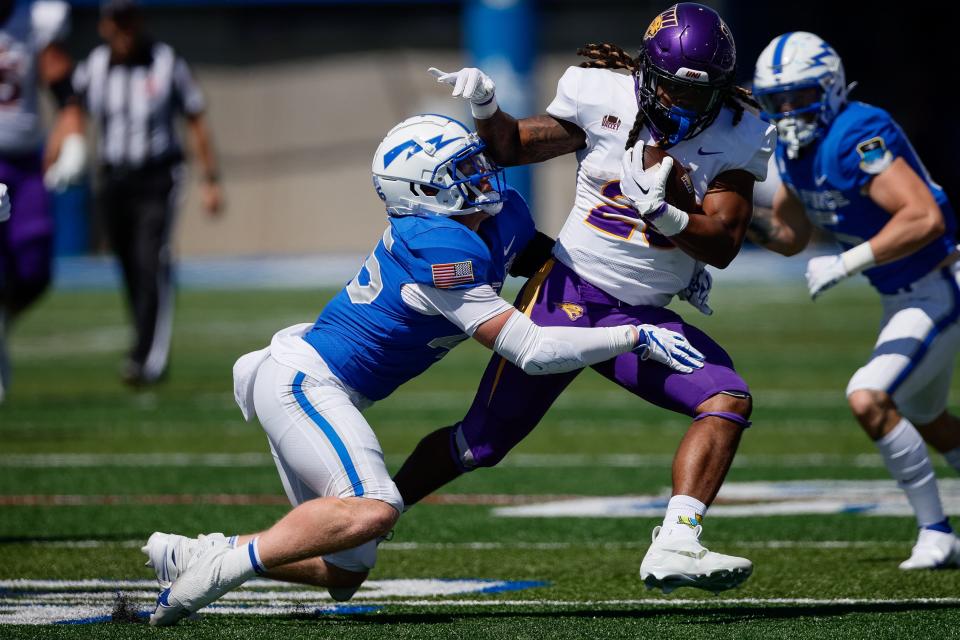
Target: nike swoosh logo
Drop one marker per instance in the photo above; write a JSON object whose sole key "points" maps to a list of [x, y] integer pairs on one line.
{"points": [[645, 191], [689, 554], [506, 250], [820, 180], [701, 152]]}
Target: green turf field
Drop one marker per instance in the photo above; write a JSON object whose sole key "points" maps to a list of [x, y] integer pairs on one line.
{"points": [[88, 469]]}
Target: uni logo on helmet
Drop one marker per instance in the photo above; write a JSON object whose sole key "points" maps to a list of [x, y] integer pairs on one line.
{"points": [[415, 147], [693, 74]]}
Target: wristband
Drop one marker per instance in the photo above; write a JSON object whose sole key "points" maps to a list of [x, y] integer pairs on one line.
{"points": [[668, 219], [484, 110], [858, 259]]}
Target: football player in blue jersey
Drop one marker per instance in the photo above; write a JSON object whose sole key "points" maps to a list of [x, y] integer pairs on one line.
{"points": [[847, 168], [455, 230]]}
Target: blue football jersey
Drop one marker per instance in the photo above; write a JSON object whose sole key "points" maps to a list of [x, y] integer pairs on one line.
{"points": [[370, 338], [829, 178]]}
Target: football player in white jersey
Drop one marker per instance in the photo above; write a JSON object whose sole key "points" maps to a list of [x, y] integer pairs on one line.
{"points": [[849, 169], [31, 54], [625, 253]]}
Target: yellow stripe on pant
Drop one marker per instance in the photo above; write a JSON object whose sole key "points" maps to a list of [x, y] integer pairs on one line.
{"points": [[528, 297]]}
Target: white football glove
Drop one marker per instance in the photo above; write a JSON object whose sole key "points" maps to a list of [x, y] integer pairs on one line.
{"points": [[824, 272], [70, 164], [474, 85], [647, 191], [698, 291], [668, 348], [4, 203]]}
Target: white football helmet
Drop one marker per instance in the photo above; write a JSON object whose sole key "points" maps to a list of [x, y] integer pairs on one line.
{"points": [[434, 165], [788, 68]]}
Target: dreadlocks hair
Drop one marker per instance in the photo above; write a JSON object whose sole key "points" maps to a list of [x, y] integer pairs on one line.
{"points": [[734, 99], [610, 56]]}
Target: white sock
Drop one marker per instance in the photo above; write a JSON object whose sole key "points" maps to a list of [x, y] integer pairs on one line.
{"points": [[908, 461], [953, 458], [683, 514], [240, 564]]}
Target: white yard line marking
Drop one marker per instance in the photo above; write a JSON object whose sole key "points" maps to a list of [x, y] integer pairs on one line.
{"points": [[749, 499], [84, 601]]}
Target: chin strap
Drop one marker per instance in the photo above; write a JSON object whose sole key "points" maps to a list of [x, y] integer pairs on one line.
{"points": [[683, 126]]}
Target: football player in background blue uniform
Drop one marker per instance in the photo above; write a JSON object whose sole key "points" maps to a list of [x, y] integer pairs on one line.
{"points": [[849, 169], [433, 280]]}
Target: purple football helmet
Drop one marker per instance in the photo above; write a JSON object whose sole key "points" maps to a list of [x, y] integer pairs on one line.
{"points": [[689, 53]]}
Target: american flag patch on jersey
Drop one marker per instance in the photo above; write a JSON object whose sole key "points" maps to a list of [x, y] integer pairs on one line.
{"points": [[451, 274]]}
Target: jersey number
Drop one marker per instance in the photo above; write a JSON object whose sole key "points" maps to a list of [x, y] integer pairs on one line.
{"points": [[597, 218], [446, 343], [366, 293]]}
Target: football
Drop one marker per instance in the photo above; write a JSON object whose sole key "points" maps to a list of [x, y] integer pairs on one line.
{"points": [[680, 192]]}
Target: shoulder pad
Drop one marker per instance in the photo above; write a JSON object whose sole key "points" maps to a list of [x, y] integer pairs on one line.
{"points": [[439, 252], [862, 142]]}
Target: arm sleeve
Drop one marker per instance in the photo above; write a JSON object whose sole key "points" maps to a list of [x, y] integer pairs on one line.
{"points": [[535, 349], [546, 350], [566, 103], [465, 308], [188, 92]]}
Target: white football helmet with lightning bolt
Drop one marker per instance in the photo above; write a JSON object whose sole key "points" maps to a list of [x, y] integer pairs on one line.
{"points": [[800, 83], [434, 165]]}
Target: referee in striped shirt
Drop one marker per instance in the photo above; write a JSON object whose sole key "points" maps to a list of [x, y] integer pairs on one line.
{"points": [[133, 87]]}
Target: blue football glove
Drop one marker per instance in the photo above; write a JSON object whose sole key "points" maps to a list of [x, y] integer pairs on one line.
{"points": [[668, 348]]}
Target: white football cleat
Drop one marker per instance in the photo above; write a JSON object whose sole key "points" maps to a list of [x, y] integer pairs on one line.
{"points": [[202, 583], [674, 561], [170, 554], [933, 550]]}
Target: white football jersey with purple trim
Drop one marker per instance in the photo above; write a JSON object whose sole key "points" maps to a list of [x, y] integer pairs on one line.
{"points": [[631, 261], [29, 30]]}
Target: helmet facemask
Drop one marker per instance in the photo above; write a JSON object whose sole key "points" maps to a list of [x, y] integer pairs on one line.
{"points": [[799, 112], [697, 103], [479, 182]]}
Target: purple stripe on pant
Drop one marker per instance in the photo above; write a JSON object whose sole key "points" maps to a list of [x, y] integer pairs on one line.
{"points": [[509, 403]]}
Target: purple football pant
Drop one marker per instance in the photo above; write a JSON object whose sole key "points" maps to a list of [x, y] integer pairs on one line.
{"points": [[26, 239], [510, 403]]}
